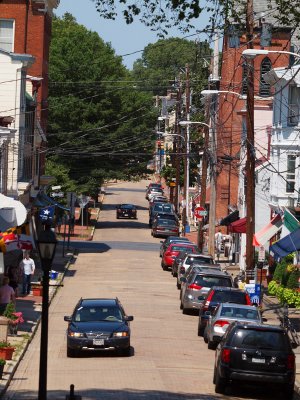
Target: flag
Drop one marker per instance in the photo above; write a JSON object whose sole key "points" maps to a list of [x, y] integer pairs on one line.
{"points": [[290, 221], [47, 213]]}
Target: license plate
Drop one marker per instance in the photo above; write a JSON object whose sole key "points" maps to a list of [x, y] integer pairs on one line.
{"points": [[125, 215], [98, 342], [258, 360]]}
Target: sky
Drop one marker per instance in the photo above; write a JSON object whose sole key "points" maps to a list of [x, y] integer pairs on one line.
{"points": [[123, 38]]}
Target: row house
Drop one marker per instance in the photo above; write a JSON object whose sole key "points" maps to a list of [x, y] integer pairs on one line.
{"points": [[25, 33]]}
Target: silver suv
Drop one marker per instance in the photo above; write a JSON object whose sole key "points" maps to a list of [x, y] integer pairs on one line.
{"points": [[197, 282], [179, 268]]}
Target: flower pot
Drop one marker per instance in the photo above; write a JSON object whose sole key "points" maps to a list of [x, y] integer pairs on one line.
{"points": [[6, 352], [37, 291]]}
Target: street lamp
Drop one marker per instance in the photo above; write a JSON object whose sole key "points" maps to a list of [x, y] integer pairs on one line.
{"points": [[252, 53], [46, 244], [203, 180], [209, 92]]}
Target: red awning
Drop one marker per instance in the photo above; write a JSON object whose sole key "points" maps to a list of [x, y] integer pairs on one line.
{"points": [[238, 226]]}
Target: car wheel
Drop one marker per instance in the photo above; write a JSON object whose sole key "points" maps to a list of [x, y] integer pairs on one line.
{"points": [[205, 336], [214, 378], [288, 391], [118, 217], [72, 352], [220, 384], [165, 267], [210, 345], [181, 306], [200, 329], [125, 352]]}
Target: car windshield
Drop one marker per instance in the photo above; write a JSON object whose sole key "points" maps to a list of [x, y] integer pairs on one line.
{"points": [[164, 222], [237, 312], [94, 314], [198, 260], [163, 207], [210, 281], [259, 339], [127, 206], [229, 296]]}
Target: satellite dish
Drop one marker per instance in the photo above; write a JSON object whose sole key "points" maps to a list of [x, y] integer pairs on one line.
{"points": [[12, 213]]}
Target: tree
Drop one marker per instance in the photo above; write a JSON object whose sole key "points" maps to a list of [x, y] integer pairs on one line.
{"points": [[99, 123], [161, 16]]}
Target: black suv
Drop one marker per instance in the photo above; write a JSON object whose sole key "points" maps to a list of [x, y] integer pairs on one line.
{"points": [[255, 353], [215, 296], [98, 324]]}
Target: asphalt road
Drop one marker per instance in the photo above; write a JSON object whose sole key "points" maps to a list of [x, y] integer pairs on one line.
{"points": [[169, 361]]}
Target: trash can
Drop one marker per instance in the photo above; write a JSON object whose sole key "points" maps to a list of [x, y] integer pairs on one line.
{"points": [[53, 274]]}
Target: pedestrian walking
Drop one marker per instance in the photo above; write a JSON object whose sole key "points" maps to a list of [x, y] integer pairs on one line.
{"points": [[218, 242], [28, 267], [14, 272], [7, 294]]}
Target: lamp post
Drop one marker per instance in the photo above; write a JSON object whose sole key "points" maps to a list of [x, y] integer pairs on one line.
{"points": [[252, 53], [203, 177], [46, 244]]}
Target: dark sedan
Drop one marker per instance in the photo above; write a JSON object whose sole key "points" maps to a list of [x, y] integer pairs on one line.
{"points": [[98, 324], [126, 211]]}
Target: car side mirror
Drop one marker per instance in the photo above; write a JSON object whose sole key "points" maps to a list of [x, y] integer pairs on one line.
{"points": [[128, 318], [67, 318]]}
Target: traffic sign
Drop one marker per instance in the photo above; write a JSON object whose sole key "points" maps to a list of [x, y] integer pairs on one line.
{"points": [[59, 194], [200, 212]]}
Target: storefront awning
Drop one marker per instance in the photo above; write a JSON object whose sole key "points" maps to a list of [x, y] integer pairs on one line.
{"points": [[232, 217], [238, 226], [261, 237], [287, 245]]}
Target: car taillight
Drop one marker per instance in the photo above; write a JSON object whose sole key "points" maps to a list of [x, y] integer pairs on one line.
{"points": [[290, 361], [174, 230], [193, 286], [225, 355], [207, 302], [248, 300], [221, 323], [167, 253]]}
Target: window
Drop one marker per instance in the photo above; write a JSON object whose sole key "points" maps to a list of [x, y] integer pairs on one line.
{"points": [[264, 87], [6, 34], [291, 174], [294, 103]]}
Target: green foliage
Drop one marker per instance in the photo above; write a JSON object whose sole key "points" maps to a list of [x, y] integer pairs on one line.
{"points": [[2, 361], [279, 271], [99, 123], [293, 280], [9, 311], [4, 344], [284, 295]]}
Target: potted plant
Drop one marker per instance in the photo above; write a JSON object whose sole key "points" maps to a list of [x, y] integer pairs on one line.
{"points": [[14, 318], [6, 350], [37, 289], [2, 363]]}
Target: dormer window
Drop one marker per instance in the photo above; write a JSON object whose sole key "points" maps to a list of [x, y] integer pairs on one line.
{"points": [[264, 87], [7, 35]]}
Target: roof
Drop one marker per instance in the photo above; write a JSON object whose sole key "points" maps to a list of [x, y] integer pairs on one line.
{"points": [[208, 271], [98, 302]]}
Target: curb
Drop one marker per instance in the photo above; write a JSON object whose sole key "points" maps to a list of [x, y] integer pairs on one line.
{"points": [[12, 368]]}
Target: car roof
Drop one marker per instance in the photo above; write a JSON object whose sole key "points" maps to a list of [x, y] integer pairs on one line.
{"points": [[236, 305], [200, 255], [258, 325], [209, 271], [98, 302], [228, 289]]}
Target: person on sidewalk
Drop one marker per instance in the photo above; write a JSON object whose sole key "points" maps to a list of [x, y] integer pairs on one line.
{"points": [[14, 272], [7, 294], [28, 267]]}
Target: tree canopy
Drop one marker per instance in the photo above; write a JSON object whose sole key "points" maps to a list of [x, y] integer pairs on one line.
{"points": [[184, 14], [99, 123]]}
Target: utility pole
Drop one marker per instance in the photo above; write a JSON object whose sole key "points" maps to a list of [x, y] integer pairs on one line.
{"points": [[187, 157], [177, 131], [250, 163], [213, 172]]}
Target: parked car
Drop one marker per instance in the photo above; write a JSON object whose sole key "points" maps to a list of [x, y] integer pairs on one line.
{"points": [[126, 211], [154, 185], [154, 191], [97, 324], [223, 315], [184, 272], [171, 239], [215, 296], [164, 228], [180, 266], [164, 215], [158, 199], [173, 250], [160, 208], [197, 283], [258, 354]]}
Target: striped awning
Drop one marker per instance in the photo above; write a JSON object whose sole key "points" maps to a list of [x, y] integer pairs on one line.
{"points": [[265, 234]]}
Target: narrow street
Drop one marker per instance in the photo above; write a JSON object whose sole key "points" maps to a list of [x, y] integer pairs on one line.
{"points": [[169, 360]]}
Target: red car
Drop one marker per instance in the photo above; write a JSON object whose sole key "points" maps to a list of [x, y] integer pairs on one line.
{"points": [[173, 250]]}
